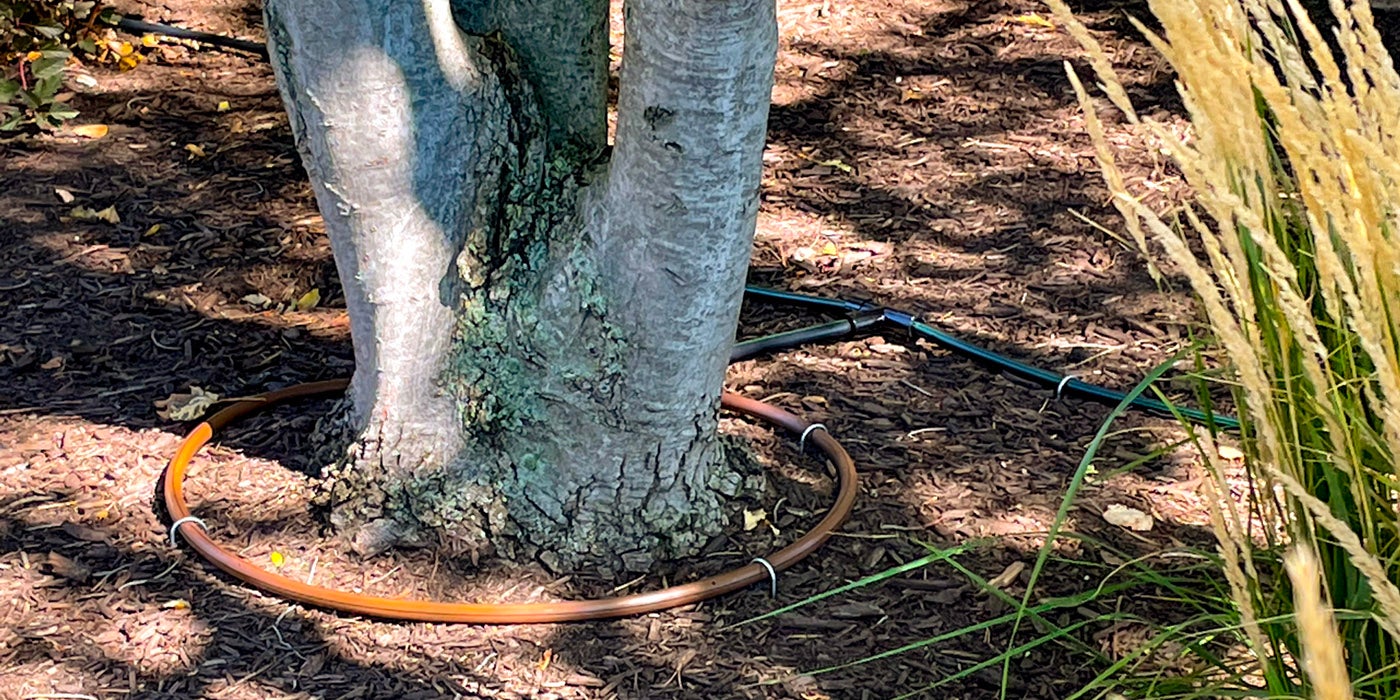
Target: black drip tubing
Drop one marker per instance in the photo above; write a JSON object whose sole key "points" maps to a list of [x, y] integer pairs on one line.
{"points": [[1063, 384], [136, 26], [860, 315]]}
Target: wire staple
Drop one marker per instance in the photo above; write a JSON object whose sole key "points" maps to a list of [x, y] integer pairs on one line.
{"points": [[802, 441], [772, 576], [175, 527], [1060, 388]]}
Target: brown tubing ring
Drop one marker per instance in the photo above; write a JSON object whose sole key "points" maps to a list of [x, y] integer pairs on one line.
{"points": [[172, 485]]}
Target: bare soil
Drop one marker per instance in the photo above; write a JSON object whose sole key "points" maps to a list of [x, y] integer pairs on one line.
{"points": [[925, 154]]}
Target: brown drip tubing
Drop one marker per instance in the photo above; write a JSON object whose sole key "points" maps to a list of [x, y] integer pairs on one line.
{"points": [[172, 486]]}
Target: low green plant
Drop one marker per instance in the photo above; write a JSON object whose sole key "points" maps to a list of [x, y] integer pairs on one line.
{"points": [[1180, 658], [38, 42], [1290, 245]]}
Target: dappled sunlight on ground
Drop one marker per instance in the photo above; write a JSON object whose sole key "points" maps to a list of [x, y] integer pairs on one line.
{"points": [[925, 155]]}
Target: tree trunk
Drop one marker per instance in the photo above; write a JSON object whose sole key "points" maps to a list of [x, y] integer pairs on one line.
{"points": [[540, 327]]}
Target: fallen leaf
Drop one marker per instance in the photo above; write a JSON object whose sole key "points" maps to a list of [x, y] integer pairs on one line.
{"points": [[91, 131], [1008, 575], [183, 407], [153, 230], [108, 215], [84, 533], [752, 518], [828, 248], [177, 604], [60, 565], [195, 149], [1131, 518], [1230, 452], [149, 41], [54, 363], [223, 106], [1035, 21], [309, 300], [63, 195], [258, 300], [805, 687], [277, 559], [855, 611]]}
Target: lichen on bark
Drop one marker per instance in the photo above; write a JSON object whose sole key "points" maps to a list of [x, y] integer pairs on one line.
{"points": [[560, 399]]}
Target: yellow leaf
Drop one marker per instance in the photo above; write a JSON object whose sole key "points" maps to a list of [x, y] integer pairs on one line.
{"points": [[1035, 21], [109, 215], [125, 49], [277, 559], [195, 149], [91, 131], [752, 518], [129, 62], [177, 604], [153, 230], [223, 106], [33, 56], [149, 41], [309, 300], [829, 248], [836, 163]]}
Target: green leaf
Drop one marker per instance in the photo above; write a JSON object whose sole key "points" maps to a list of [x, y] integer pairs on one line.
{"points": [[48, 67], [49, 29], [62, 112], [8, 90], [46, 88]]}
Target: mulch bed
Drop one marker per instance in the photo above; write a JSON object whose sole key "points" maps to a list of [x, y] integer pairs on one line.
{"points": [[925, 155]]}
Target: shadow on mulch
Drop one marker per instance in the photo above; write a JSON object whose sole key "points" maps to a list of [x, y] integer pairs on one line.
{"points": [[220, 634], [98, 321]]}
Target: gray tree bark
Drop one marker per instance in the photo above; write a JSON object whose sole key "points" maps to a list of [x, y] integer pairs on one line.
{"points": [[540, 326]]}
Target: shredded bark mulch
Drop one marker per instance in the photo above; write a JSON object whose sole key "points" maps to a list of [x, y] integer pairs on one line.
{"points": [[924, 155]]}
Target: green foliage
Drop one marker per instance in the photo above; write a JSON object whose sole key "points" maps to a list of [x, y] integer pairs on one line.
{"points": [[1289, 245], [39, 40]]}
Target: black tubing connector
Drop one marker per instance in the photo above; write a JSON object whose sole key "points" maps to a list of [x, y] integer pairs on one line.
{"points": [[1062, 384]]}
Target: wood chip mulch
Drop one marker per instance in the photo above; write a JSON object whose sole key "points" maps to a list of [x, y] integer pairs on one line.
{"points": [[924, 154]]}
